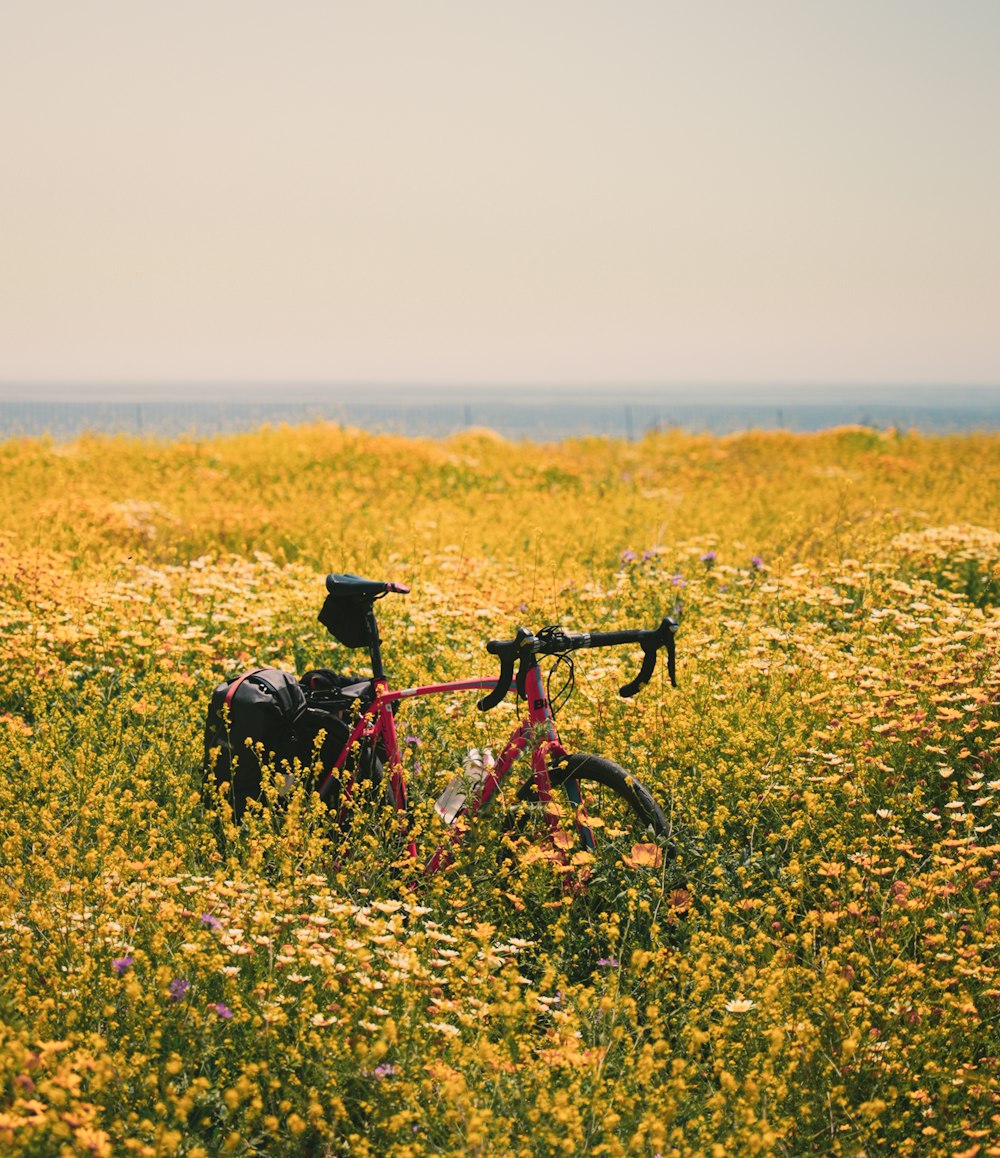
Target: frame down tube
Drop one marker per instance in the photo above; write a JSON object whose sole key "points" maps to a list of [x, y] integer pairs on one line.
{"points": [[515, 745]]}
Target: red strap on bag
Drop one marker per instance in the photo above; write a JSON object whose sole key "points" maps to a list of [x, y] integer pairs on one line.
{"points": [[236, 683]]}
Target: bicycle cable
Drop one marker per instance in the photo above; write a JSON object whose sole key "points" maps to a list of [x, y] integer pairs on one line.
{"points": [[557, 702]]}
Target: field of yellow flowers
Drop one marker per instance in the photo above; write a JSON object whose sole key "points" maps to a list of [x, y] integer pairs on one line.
{"points": [[815, 973]]}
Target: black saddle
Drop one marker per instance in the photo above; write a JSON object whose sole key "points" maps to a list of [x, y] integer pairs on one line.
{"points": [[347, 612], [349, 586]]}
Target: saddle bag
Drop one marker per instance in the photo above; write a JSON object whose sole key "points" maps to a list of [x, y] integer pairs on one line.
{"points": [[268, 719], [346, 619]]}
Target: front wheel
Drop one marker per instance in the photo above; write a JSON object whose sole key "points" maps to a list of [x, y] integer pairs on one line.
{"points": [[599, 807]]}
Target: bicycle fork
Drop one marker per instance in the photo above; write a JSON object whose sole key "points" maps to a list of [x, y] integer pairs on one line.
{"points": [[538, 733]]}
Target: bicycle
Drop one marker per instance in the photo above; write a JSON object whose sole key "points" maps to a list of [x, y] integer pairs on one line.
{"points": [[601, 795]]}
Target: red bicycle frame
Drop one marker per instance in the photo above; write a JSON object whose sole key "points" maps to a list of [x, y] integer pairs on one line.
{"points": [[376, 728], [349, 615]]}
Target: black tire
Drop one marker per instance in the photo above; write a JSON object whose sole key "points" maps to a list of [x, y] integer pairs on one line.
{"points": [[623, 810]]}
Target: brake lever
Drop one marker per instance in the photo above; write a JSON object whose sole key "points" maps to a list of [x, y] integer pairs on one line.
{"points": [[507, 651], [506, 654], [663, 636], [669, 627]]}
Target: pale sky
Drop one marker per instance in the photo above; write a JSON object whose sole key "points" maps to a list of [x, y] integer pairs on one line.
{"points": [[455, 191]]}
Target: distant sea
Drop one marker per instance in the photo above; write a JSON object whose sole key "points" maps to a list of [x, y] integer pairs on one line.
{"points": [[515, 415]]}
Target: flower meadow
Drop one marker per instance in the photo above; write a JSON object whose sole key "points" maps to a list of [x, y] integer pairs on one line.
{"points": [[814, 972]]}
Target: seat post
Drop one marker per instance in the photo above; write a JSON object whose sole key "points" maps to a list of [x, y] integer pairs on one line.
{"points": [[374, 644]]}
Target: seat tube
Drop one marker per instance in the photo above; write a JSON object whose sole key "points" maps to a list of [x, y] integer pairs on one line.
{"points": [[390, 742], [386, 731]]}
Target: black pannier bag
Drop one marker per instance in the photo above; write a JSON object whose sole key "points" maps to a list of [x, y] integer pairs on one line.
{"points": [[266, 716]]}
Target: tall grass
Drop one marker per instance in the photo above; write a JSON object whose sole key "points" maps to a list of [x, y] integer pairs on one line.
{"points": [[815, 973]]}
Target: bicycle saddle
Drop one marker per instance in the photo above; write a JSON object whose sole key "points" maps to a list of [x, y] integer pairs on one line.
{"points": [[349, 586]]}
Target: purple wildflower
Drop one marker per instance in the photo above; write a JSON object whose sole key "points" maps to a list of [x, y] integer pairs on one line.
{"points": [[383, 1070], [413, 741], [609, 962], [629, 556], [222, 1010], [708, 558], [678, 580], [757, 563], [210, 922], [122, 965], [178, 987]]}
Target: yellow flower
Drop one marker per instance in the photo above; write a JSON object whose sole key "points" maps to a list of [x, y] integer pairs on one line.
{"points": [[644, 856]]}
